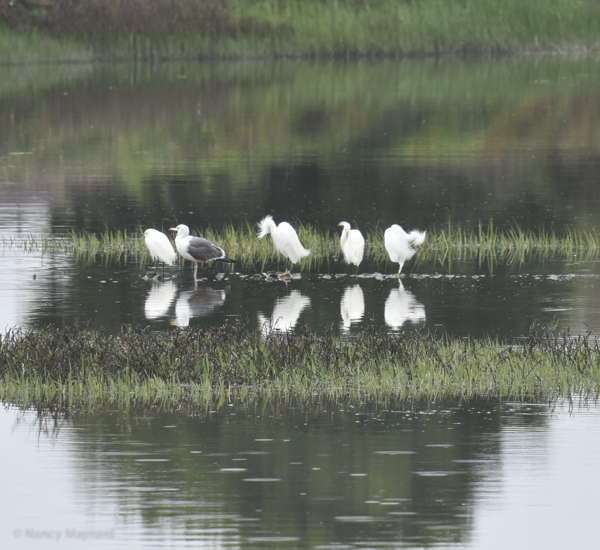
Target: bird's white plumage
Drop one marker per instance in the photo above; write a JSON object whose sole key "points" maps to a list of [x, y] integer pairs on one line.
{"points": [[353, 244], [159, 246], [284, 237], [197, 249], [398, 243]]}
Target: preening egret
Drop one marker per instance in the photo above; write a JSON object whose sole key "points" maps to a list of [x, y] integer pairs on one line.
{"points": [[398, 244], [198, 249], [353, 244], [160, 247], [285, 239]]}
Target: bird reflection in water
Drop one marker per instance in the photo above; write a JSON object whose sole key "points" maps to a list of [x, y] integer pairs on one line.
{"points": [[352, 306], [200, 302], [401, 306], [286, 313], [159, 299]]}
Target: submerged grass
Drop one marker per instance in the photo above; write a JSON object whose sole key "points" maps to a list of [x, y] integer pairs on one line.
{"points": [[442, 245], [71, 367]]}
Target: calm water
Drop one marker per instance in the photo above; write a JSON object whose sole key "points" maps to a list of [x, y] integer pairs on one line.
{"points": [[467, 301], [416, 143], [327, 475]]}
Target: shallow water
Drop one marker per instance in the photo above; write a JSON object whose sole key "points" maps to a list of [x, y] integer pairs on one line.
{"points": [[95, 148], [471, 300], [321, 474]]}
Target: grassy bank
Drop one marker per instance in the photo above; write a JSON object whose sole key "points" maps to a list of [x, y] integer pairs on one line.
{"points": [[154, 29], [445, 244], [88, 368]]}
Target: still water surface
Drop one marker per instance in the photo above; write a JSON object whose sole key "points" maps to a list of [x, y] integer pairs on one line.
{"points": [[468, 301], [95, 148], [320, 474]]}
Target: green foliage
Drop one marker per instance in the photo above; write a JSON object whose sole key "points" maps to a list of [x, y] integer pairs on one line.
{"points": [[138, 365], [452, 242], [35, 46], [138, 29]]}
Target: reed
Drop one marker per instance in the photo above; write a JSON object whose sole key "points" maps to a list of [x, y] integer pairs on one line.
{"points": [[70, 366], [442, 245]]}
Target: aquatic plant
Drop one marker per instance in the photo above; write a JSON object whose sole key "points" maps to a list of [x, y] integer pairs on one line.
{"points": [[442, 245], [76, 366]]}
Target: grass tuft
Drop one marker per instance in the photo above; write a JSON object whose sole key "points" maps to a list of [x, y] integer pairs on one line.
{"points": [[442, 245], [88, 367]]}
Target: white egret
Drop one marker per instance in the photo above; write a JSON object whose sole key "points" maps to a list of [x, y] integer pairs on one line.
{"points": [[160, 247], [285, 239], [353, 244], [197, 249], [398, 244]]}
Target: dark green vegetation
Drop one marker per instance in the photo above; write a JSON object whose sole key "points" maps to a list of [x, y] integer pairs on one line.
{"points": [[434, 140], [91, 368], [158, 29], [442, 245]]}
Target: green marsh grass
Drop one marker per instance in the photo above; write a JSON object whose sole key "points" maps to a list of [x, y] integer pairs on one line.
{"points": [[151, 29], [37, 47], [443, 245], [76, 367]]}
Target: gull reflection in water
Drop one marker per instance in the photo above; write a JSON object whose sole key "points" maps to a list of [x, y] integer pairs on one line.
{"points": [[352, 306], [197, 303], [286, 313], [159, 299], [402, 306]]}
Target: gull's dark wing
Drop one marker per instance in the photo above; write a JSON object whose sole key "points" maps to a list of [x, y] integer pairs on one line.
{"points": [[202, 250]]}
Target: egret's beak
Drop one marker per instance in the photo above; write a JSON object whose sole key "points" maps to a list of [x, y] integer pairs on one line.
{"points": [[172, 229]]}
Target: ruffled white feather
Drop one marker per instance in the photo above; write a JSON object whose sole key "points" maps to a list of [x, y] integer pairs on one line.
{"points": [[284, 237], [398, 244]]}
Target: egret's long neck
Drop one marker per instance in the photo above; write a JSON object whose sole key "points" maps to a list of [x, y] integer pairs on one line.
{"points": [[344, 236]]}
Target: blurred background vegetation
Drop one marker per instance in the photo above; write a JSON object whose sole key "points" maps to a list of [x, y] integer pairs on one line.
{"points": [[178, 29]]}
